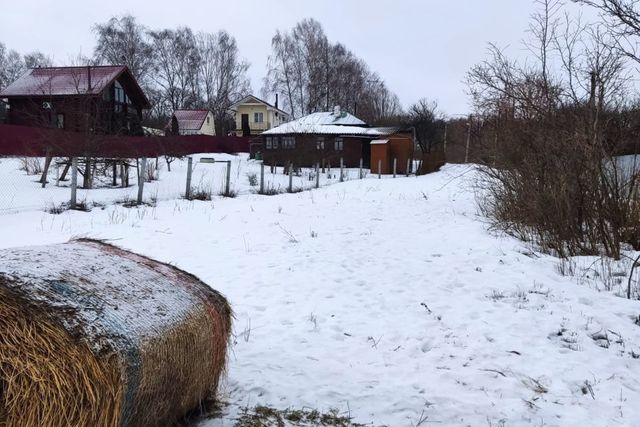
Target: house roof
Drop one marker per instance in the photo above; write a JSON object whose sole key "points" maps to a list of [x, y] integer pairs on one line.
{"points": [[72, 81], [190, 119], [326, 123], [251, 99]]}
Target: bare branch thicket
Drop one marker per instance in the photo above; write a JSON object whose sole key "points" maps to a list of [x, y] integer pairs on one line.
{"points": [[550, 140]]}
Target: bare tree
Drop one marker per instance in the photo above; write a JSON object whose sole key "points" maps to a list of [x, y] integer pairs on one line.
{"points": [[622, 18], [222, 74], [549, 138], [123, 41], [176, 65], [315, 75], [37, 59], [11, 66]]}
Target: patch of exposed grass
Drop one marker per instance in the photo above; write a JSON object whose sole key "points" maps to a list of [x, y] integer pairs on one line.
{"points": [[264, 416]]}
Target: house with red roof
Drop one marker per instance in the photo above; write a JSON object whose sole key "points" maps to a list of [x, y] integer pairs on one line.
{"points": [[191, 122], [103, 100]]}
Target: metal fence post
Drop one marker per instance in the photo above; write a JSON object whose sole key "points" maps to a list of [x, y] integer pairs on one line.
{"points": [[74, 182], [341, 169], [395, 165], [317, 175], [141, 172], [379, 169], [227, 188], [262, 178], [187, 192], [290, 177]]}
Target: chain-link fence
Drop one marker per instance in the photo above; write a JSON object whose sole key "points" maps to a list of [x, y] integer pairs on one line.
{"points": [[100, 182]]}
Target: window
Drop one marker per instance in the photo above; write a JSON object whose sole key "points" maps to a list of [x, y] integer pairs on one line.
{"points": [[288, 142], [120, 97], [338, 144], [258, 117], [320, 143], [208, 120], [60, 121], [269, 143]]}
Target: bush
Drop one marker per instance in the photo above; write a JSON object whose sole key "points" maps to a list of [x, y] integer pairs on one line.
{"points": [[31, 165], [253, 178]]}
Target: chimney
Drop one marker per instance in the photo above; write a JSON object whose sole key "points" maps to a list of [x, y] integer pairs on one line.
{"points": [[336, 110], [89, 78], [276, 100]]}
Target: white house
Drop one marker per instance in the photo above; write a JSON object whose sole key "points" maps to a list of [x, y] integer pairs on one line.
{"points": [[192, 122]]}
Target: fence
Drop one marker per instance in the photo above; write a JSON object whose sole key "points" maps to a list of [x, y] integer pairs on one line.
{"points": [[54, 170]]}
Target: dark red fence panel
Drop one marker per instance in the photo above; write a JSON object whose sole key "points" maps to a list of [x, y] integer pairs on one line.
{"points": [[29, 141]]}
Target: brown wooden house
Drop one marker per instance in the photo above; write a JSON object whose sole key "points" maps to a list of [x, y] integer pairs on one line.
{"points": [[97, 99], [327, 137]]}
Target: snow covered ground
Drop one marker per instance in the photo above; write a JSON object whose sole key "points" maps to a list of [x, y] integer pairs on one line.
{"points": [[388, 300], [20, 192]]}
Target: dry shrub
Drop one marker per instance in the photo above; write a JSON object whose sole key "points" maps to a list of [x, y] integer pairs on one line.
{"points": [[552, 183], [31, 165]]}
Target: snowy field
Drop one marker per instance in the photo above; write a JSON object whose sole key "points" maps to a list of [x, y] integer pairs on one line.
{"points": [[389, 301], [20, 192]]}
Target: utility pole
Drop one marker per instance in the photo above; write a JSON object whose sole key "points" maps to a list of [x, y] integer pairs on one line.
{"points": [[466, 151], [446, 127]]}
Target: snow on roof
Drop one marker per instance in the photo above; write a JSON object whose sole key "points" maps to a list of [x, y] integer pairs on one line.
{"points": [[335, 123], [190, 119], [60, 81], [379, 141]]}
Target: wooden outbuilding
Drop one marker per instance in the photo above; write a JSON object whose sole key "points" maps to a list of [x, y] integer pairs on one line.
{"points": [[329, 138]]}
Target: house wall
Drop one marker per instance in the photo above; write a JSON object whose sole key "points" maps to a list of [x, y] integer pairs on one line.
{"points": [[271, 118], [250, 109], [208, 127], [306, 153], [81, 113]]}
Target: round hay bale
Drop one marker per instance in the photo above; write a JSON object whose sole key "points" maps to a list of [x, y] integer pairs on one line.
{"points": [[92, 335]]}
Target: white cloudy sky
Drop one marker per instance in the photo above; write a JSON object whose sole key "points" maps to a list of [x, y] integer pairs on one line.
{"points": [[422, 48]]}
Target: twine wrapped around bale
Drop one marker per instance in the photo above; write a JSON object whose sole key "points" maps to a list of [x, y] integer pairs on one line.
{"points": [[92, 335]]}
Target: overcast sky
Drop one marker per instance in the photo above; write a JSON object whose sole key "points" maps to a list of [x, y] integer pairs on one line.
{"points": [[421, 48]]}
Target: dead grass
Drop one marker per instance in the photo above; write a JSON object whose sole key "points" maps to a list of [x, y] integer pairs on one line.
{"points": [[264, 416], [46, 375]]}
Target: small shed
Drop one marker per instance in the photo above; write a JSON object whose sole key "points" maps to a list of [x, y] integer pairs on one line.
{"points": [[396, 147]]}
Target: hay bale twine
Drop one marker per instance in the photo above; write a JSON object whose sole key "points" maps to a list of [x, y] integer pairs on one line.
{"points": [[92, 335]]}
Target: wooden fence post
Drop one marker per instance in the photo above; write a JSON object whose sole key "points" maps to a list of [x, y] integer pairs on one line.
{"points": [[360, 171], [317, 175], [395, 165], [47, 164], [379, 169], [262, 178], [408, 171], [227, 187], [187, 192], [341, 169], [143, 167], [74, 182], [290, 177]]}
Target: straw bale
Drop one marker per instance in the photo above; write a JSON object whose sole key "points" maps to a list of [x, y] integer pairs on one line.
{"points": [[93, 335]]}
